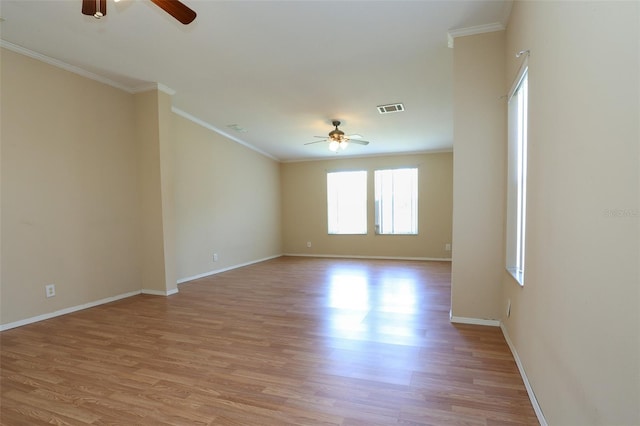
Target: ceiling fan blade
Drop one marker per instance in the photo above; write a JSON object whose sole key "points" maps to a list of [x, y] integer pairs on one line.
{"points": [[176, 9], [89, 7], [309, 143], [359, 141]]}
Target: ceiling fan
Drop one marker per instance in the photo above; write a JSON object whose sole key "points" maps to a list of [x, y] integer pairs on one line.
{"points": [[338, 140], [175, 8]]}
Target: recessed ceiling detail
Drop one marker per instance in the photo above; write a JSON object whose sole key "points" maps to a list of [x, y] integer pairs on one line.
{"points": [[386, 109]]}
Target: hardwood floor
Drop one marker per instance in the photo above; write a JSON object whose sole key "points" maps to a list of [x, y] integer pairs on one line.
{"points": [[291, 341]]}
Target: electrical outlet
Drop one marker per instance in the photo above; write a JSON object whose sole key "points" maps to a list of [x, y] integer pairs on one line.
{"points": [[50, 290], [215, 257], [308, 243], [447, 247]]}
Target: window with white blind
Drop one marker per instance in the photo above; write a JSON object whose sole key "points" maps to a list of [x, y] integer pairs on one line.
{"points": [[517, 175], [347, 202], [396, 201]]}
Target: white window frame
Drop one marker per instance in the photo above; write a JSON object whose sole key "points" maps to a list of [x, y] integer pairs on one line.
{"points": [[385, 204], [347, 202], [517, 174]]}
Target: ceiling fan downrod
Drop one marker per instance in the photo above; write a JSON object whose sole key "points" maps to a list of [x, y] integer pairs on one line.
{"points": [[95, 8], [99, 13]]}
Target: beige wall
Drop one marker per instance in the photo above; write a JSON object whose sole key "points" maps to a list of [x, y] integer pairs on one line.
{"points": [[479, 176], [70, 211], [155, 168], [106, 194], [147, 119], [304, 209], [575, 324], [227, 201], [167, 185]]}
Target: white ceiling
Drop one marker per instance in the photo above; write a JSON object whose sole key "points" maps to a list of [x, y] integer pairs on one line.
{"points": [[282, 70]]}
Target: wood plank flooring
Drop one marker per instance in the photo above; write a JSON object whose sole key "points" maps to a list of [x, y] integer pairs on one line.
{"points": [[291, 341]]}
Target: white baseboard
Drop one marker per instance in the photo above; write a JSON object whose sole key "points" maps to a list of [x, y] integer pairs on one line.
{"points": [[474, 321], [65, 311], [523, 374], [218, 271], [433, 259], [496, 323], [88, 305], [159, 292]]}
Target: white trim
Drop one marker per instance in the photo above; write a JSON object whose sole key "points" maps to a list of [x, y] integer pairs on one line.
{"points": [[159, 292], [522, 71], [65, 311], [474, 321], [153, 86], [479, 29], [63, 65], [166, 89], [527, 385], [352, 157], [145, 87], [84, 306], [345, 256], [211, 127], [218, 271]]}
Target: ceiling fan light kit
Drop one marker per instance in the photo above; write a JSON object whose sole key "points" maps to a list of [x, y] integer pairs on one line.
{"points": [[338, 140], [336, 145]]}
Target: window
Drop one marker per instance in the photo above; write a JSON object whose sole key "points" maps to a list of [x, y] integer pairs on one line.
{"points": [[517, 176], [396, 194], [347, 202]]}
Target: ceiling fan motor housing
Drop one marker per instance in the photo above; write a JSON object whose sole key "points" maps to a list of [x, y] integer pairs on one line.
{"points": [[337, 134]]}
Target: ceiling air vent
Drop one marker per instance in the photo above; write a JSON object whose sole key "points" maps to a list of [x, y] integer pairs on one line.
{"points": [[386, 109]]}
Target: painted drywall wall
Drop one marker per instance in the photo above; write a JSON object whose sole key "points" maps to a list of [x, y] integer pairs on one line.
{"points": [[304, 209], [94, 209], [155, 164], [227, 201], [575, 324], [69, 189], [167, 186], [479, 176], [147, 121]]}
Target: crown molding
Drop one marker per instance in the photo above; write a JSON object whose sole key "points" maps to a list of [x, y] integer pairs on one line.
{"points": [[479, 29], [154, 86], [63, 65], [84, 73], [206, 125]]}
